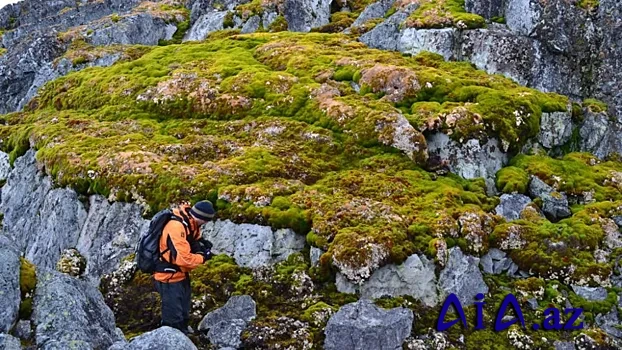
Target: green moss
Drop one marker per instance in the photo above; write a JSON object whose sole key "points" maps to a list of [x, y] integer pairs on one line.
{"points": [[279, 24], [512, 179], [2, 49], [588, 4], [443, 13], [594, 105], [497, 19], [339, 21], [27, 284], [228, 21], [115, 18]]}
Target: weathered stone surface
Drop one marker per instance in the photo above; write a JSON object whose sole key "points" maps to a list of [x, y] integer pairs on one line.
{"points": [[314, 255], [414, 277], [5, 166], [486, 8], [69, 311], [386, 35], [512, 205], [9, 284], [555, 205], [440, 41], [600, 135], [522, 16], [251, 25], [555, 129], [303, 15], [372, 11], [207, 23], [9, 342], [591, 293], [363, 325], [462, 277], [161, 338], [226, 324], [537, 187], [564, 345], [471, 159], [252, 245], [71, 262], [23, 330], [610, 322], [142, 28]]}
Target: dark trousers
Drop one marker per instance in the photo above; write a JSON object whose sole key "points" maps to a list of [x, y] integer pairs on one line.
{"points": [[175, 303]]}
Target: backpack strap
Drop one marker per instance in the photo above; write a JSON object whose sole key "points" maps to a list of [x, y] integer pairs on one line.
{"points": [[163, 265]]}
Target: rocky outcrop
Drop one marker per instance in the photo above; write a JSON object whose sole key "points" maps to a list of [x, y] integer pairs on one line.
{"points": [[8, 342], [471, 159], [252, 245], [363, 325], [554, 204], [224, 326], [512, 205], [69, 313], [161, 338], [461, 277], [207, 23], [555, 129], [9, 284], [415, 277], [303, 15], [600, 135], [373, 11], [142, 28], [591, 293], [497, 262]]}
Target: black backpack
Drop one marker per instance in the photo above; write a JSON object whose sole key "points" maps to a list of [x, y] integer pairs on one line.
{"points": [[148, 256]]}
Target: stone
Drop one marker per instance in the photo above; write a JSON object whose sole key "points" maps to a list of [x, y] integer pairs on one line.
{"points": [[564, 345], [537, 187], [618, 221], [69, 311], [137, 29], [252, 245], [555, 129], [374, 10], [226, 324], [251, 25], [415, 277], [5, 166], [441, 41], [9, 342], [72, 263], [207, 23], [497, 254], [512, 205], [461, 277], [10, 296], [161, 338], [533, 303], [470, 159], [304, 15], [486, 8], [486, 263], [386, 35], [555, 206], [610, 322], [363, 325], [23, 330], [599, 135], [590, 293], [522, 16], [314, 255], [268, 18]]}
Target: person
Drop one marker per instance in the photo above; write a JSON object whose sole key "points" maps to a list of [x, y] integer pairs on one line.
{"points": [[182, 249]]}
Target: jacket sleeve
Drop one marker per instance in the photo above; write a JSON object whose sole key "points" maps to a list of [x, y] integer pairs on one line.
{"points": [[184, 258]]}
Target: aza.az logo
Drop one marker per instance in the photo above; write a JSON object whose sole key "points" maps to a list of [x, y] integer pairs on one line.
{"points": [[552, 316]]}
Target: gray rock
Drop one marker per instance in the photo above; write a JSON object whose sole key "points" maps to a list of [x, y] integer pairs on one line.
{"points": [[8, 342], [70, 311], [5, 166], [555, 129], [142, 28], [23, 330], [538, 188], [386, 35], [486, 8], [471, 159], [618, 221], [522, 16], [462, 277], [497, 254], [363, 325], [533, 303], [252, 245], [599, 135], [251, 25], [487, 264], [372, 11], [440, 41], [590, 293], [610, 323], [9, 284], [512, 205], [161, 338], [303, 15], [269, 18], [555, 205], [414, 277], [227, 323], [314, 255], [564, 345], [207, 23]]}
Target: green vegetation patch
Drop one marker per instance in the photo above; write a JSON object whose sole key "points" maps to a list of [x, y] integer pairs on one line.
{"points": [[27, 284], [441, 14]]}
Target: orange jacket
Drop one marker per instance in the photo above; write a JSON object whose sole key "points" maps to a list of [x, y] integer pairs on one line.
{"points": [[174, 238]]}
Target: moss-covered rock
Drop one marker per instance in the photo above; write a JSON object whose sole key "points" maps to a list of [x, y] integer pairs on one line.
{"points": [[27, 284]]}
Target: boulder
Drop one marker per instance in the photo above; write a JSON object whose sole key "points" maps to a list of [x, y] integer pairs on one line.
{"points": [[441, 41], [555, 205], [23, 330], [374, 10], [555, 129], [564, 345], [136, 29], [610, 322], [486, 8], [415, 277], [207, 23], [462, 277], [161, 338], [69, 312], [226, 324], [591, 293], [470, 159], [9, 284], [386, 35], [363, 325], [599, 135], [512, 205], [8, 342], [252, 245], [251, 25], [314, 255], [303, 15], [522, 16]]}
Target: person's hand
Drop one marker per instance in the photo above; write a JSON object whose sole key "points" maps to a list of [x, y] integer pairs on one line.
{"points": [[207, 254], [195, 247]]}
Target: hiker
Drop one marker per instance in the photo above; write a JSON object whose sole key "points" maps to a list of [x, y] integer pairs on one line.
{"points": [[182, 249]]}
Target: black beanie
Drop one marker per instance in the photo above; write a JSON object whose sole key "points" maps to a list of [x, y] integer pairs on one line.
{"points": [[203, 210]]}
